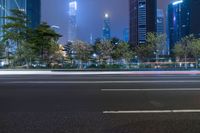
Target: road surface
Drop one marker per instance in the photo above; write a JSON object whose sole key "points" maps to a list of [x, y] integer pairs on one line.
{"points": [[124, 103]]}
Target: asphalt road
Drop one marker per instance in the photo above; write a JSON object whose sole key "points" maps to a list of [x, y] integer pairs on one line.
{"points": [[100, 104]]}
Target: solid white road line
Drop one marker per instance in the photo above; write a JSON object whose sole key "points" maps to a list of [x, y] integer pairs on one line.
{"points": [[96, 72], [99, 82], [153, 111], [160, 89]]}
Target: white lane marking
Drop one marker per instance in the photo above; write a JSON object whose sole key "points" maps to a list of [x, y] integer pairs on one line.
{"points": [[153, 111], [160, 89], [96, 72], [99, 82]]}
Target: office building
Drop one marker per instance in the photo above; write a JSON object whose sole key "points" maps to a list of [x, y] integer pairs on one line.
{"points": [[126, 35], [160, 21], [106, 27], [31, 7], [143, 16], [72, 23], [183, 20]]}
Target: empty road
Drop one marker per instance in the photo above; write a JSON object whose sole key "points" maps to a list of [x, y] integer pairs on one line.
{"points": [[122, 103]]}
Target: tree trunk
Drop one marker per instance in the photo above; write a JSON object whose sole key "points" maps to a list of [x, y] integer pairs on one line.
{"points": [[185, 62], [196, 63]]}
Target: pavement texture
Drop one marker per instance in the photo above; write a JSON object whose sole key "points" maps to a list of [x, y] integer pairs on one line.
{"points": [[118, 103]]}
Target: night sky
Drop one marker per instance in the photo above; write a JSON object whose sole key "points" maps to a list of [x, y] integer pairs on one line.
{"points": [[90, 16]]}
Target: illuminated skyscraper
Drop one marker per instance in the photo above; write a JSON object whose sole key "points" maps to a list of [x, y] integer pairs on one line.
{"points": [[126, 35], [31, 7], [183, 20], [160, 21], [106, 27], [72, 27], [142, 20]]}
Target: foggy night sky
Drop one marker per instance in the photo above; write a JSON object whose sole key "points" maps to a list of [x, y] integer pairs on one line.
{"points": [[90, 16]]}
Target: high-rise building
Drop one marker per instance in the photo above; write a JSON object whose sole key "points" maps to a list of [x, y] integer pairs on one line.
{"points": [[142, 20], [31, 7], [183, 19], [106, 27], [126, 35], [160, 21], [3, 13], [72, 24]]}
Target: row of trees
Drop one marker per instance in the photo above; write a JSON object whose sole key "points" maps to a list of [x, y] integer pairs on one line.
{"points": [[102, 52], [21, 44], [187, 50], [115, 51], [188, 47]]}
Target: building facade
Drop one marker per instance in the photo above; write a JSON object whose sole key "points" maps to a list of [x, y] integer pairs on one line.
{"points": [[143, 16], [160, 21], [106, 27], [126, 35], [72, 23], [183, 20], [31, 7]]}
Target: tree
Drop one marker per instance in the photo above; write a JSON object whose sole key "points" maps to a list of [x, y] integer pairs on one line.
{"points": [[161, 43], [157, 42], [56, 54], [15, 31], [16, 28], [104, 50], [115, 41], [183, 48], [43, 38], [185, 43], [145, 51], [82, 51], [195, 50], [2, 50], [122, 51], [25, 53], [68, 48], [178, 51]]}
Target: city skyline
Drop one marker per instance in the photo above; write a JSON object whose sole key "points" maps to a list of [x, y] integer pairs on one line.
{"points": [[90, 20]]}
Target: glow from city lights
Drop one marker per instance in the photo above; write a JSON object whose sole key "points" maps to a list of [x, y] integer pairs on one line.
{"points": [[73, 8], [177, 2], [106, 15], [73, 5]]}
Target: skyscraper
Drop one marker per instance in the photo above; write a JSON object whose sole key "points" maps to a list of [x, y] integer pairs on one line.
{"points": [[106, 27], [126, 35], [31, 7], [142, 20], [72, 24], [160, 21], [183, 19], [3, 12]]}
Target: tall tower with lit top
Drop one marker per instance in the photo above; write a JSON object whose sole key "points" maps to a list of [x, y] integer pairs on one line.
{"points": [[72, 24], [106, 27]]}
